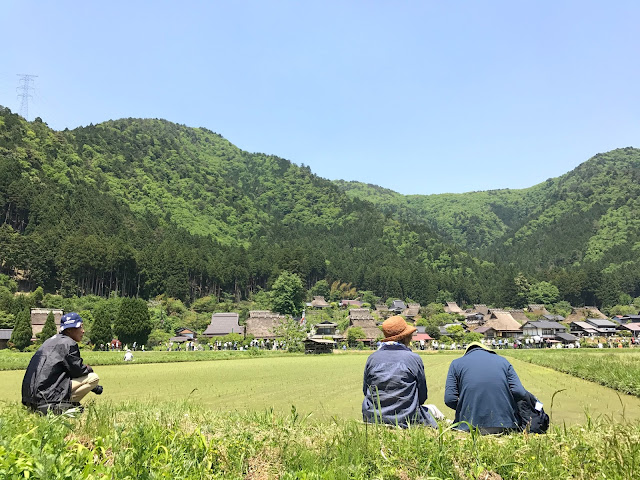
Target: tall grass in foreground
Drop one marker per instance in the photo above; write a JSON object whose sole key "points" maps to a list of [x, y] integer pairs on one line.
{"points": [[142, 441], [614, 369]]}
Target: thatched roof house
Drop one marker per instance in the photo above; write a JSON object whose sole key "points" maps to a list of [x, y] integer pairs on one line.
{"points": [[580, 314], [39, 317], [519, 316], [480, 308], [503, 324], [319, 302], [223, 324], [537, 309], [452, 307], [412, 311], [361, 317], [261, 324]]}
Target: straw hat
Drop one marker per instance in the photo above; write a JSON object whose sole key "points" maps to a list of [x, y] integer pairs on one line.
{"points": [[395, 329], [473, 345]]}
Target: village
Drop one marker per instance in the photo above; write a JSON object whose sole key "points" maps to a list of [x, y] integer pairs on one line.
{"points": [[532, 327]]}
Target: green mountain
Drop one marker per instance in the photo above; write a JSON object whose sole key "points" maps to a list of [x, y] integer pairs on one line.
{"points": [[144, 207], [587, 220]]}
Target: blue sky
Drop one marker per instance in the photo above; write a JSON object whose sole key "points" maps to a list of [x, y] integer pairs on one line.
{"points": [[417, 96]]}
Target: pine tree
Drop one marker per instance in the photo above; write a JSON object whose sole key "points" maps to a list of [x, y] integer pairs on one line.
{"points": [[101, 332], [21, 335], [49, 329], [133, 323]]}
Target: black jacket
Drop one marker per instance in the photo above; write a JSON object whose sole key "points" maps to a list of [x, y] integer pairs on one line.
{"points": [[48, 376], [535, 421]]}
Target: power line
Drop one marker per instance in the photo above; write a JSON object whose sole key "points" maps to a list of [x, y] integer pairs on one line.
{"points": [[24, 88]]}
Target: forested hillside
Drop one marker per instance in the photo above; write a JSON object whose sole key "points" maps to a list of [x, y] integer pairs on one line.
{"points": [[145, 207], [579, 230]]}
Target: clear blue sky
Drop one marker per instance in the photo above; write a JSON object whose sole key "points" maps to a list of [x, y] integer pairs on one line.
{"points": [[416, 96]]}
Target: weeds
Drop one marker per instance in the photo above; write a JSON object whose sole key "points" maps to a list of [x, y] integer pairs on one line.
{"points": [[144, 441]]}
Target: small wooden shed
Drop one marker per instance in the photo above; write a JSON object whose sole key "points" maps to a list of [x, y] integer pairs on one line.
{"points": [[312, 346]]}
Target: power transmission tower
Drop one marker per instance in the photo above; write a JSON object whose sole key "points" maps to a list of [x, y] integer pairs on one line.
{"points": [[24, 88]]}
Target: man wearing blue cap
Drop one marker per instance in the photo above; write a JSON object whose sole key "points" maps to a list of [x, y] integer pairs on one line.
{"points": [[57, 378]]}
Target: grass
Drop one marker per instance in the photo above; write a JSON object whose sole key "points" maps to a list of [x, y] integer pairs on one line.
{"points": [[10, 360], [326, 386], [617, 369], [143, 440]]}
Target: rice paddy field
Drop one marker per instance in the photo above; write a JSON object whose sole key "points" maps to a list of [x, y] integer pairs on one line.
{"points": [[296, 416]]}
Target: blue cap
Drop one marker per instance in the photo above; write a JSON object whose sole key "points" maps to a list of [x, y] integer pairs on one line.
{"points": [[70, 320]]}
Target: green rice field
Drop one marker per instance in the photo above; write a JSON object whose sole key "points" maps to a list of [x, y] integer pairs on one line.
{"points": [[324, 387]]}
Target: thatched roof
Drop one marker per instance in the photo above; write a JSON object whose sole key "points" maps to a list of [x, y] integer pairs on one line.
{"points": [[261, 323], [223, 324], [412, 310], [502, 321], [319, 302], [368, 325], [579, 314], [452, 307], [519, 316], [538, 309], [39, 317], [360, 313], [481, 308]]}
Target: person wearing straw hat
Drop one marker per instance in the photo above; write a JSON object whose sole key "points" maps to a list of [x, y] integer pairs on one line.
{"points": [[394, 383], [57, 378], [484, 389]]}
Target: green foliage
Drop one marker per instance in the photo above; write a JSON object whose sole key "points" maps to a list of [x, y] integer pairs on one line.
{"points": [[354, 334], [7, 320], [455, 333], [287, 294], [21, 335], [321, 289], [133, 323], [37, 296], [101, 332], [543, 293], [8, 283], [49, 328], [291, 333]]}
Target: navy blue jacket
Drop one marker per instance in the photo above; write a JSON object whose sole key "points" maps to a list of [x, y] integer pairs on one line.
{"points": [[395, 388], [483, 388]]}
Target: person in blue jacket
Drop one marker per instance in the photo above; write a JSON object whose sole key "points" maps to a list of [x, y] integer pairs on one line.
{"points": [[394, 383], [483, 389]]}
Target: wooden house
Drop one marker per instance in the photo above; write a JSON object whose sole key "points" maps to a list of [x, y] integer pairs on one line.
{"points": [[412, 311], [261, 324], [537, 309], [583, 329], [501, 324], [187, 333], [317, 346], [350, 303], [223, 324], [480, 308], [397, 307], [580, 314], [319, 302], [39, 317], [519, 316], [5, 336], [326, 329], [361, 317], [452, 307], [543, 329]]}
